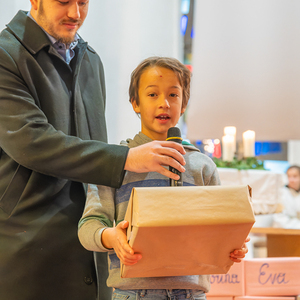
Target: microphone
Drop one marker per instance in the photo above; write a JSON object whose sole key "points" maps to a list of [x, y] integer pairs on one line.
{"points": [[174, 135]]}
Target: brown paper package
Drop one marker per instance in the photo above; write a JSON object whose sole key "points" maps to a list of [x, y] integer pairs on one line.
{"points": [[186, 230]]}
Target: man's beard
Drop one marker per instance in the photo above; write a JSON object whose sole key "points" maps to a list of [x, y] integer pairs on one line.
{"points": [[50, 27], [65, 40]]}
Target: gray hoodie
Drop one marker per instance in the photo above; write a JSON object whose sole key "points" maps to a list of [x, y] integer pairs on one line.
{"points": [[106, 206]]}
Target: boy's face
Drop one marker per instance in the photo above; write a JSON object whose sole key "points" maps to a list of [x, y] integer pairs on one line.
{"points": [[160, 102], [294, 179]]}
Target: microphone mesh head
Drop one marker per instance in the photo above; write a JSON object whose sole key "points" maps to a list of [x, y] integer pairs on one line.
{"points": [[174, 132]]}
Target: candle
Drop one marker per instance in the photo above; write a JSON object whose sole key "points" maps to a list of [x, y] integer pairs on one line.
{"points": [[249, 143], [231, 130], [227, 147]]}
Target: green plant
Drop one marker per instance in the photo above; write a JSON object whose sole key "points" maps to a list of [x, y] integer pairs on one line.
{"points": [[242, 164]]}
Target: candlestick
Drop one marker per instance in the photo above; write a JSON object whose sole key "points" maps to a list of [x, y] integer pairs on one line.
{"points": [[227, 147], [231, 130], [249, 143]]}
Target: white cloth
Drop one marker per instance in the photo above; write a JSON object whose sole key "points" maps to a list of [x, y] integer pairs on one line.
{"points": [[265, 186], [289, 217]]}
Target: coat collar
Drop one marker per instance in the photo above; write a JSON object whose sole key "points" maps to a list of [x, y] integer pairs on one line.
{"points": [[29, 34]]}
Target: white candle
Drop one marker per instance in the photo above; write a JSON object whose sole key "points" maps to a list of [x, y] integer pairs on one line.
{"points": [[249, 143], [231, 130], [227, 147]]}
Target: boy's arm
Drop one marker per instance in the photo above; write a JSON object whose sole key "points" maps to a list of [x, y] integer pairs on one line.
{"points": [[99, 213], [116, 238], [96, 231], [214, 179]]}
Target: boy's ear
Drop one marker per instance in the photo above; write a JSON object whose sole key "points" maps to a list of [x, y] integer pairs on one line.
{"points": [[183, 110], [135, 106]]}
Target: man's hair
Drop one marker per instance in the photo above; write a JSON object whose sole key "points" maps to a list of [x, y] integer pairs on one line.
{"points": [[182, 72], [293, 167]]}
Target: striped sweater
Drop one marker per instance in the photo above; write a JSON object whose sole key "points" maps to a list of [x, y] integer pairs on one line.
{"points": [[106, 206]]}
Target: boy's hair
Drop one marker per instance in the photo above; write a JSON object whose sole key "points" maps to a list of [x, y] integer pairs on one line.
{"points": [[182, 72], [293, 167]]}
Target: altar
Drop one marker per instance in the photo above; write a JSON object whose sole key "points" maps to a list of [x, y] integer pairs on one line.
{"points": [[265, 186]]}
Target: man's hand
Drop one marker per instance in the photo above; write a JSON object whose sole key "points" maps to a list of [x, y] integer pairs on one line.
{"points": [[153, 156], [116, 238], [238, 254]]}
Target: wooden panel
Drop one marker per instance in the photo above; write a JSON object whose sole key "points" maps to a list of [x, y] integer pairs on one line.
{"points": [[283, 245]]}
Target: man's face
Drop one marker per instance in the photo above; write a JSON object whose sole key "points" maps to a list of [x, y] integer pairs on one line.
{"points": [[61, 19]]}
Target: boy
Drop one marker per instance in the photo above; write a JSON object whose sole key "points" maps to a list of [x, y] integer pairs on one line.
{"points": [[159, 93], [289, 201]]}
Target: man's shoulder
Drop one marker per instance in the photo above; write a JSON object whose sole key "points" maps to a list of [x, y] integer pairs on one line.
{"points": [[91, 49], [23, 32]]}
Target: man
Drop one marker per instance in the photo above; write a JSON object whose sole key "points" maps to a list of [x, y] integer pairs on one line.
{"points": [[52, 139]]}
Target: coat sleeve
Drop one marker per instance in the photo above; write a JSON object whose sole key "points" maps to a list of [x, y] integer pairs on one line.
{"points": [[29, 139]]}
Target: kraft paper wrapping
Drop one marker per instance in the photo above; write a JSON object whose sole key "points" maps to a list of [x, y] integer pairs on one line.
{"points": [[187, 230]]}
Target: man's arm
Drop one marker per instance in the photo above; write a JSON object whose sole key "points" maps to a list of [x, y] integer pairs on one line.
{"points": [[29, 139]]}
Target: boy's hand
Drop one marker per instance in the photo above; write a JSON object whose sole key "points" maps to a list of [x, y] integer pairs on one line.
{"points": [[151, 157], [116, 238], [238, 254]]}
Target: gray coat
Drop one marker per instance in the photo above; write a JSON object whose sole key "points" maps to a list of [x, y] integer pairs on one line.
{"points": [[52, 134]]}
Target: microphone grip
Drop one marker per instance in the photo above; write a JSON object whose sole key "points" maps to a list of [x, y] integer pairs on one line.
{"points": [[175, 182], [174, 135]]}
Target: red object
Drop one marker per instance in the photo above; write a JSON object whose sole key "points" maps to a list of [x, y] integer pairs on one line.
{"points": [[217, 150], [190, 67]]}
